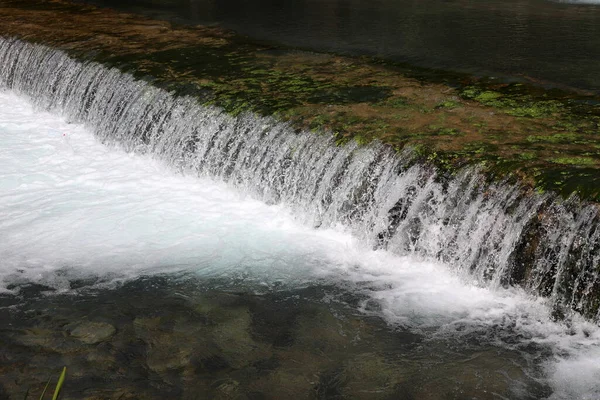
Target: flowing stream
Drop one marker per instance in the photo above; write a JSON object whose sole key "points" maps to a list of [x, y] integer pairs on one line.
{"points": [[500, 233], [130, 181]]}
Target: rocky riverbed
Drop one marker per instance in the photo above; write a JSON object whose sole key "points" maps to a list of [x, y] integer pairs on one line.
{"points": [[166, 337]]}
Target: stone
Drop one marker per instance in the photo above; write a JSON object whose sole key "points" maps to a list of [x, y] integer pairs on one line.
{"points": [[370, 376], [93, 332], [47, 339], [233, 337]]}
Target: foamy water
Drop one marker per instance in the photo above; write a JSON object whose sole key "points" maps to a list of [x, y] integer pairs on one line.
{"points": [[72, 208], [72, 205]]}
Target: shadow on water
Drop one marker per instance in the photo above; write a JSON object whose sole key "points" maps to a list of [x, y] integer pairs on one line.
{"points": [[168, 337]]}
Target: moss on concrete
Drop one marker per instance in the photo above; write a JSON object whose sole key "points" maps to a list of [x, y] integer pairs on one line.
{"points": [[548, 138]]}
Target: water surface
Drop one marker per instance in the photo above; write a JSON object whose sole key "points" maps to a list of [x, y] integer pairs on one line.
{"points": [[545, 42]]}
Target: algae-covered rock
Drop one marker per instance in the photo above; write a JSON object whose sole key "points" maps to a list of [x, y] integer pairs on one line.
{"points": [[47, 340], [283, 384], [93, 332], [176, 344], [228, 389], [171, 342], [233, 336], [323, 331], [371, 376]]}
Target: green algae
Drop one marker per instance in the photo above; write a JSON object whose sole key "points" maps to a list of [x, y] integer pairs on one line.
{"points": [[396, 102], [528, 155], [574, 160], [517, 105], [449, 104], [511, 129], [564, 138]]}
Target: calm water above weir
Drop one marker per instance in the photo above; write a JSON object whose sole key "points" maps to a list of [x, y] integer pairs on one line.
{"points": [[547, 42]]}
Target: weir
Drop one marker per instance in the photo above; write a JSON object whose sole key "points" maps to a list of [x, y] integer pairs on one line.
{"points": [[502, 233]]}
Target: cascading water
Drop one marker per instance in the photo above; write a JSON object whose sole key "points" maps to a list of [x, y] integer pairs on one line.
{"points": [[500, 232], [495, 232]]}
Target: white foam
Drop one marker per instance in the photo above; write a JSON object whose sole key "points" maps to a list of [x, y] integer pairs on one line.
{"points": [[72, 207], [68, 203], [428, 296]]}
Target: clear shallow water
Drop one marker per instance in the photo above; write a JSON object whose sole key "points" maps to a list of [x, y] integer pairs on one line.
{"points": [[72, 208], [546, 42]]}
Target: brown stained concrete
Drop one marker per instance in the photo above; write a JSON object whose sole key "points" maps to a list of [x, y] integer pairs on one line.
{"points": [[547, 139]]}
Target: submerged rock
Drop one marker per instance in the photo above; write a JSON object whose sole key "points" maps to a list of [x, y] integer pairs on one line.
{"points": [[233, 336], [372, 376], [93, 332], [172, 343], [49, 340]]}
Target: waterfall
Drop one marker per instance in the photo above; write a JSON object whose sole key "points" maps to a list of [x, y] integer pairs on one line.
{"points": [[503, 234]]}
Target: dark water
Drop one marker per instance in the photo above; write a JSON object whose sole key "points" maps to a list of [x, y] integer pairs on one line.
{"points": [[165, 337], [546, 42]]}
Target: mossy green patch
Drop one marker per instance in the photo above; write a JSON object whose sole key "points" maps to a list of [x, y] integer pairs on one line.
{"points": [[528, 156], [517, 105], [584, 161], [585, 182], [533, 109], [487, 96], [395, 102], [448, 104], [564, 138]]}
